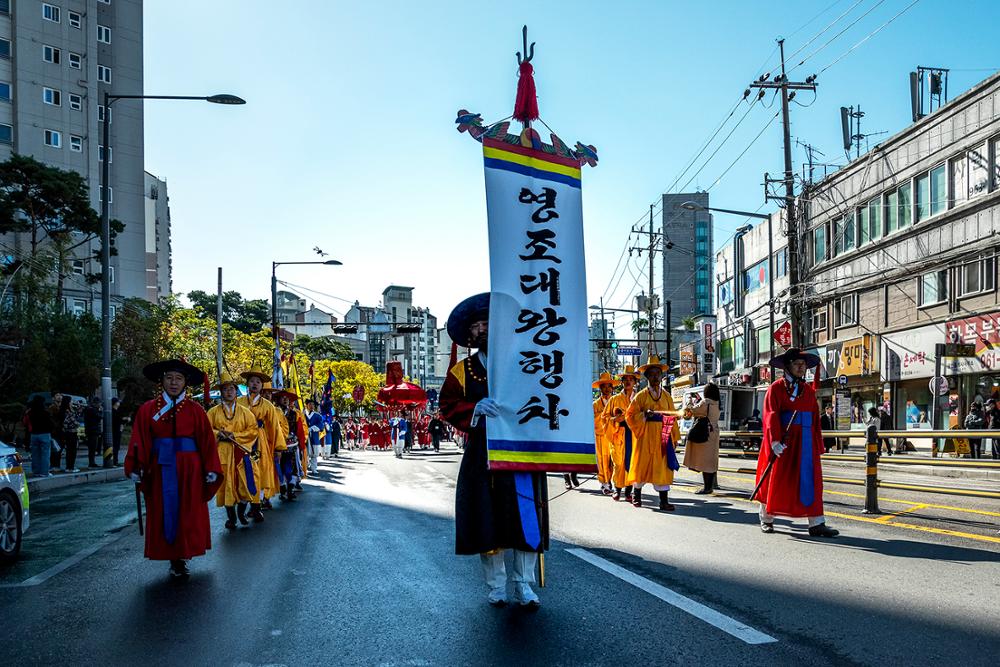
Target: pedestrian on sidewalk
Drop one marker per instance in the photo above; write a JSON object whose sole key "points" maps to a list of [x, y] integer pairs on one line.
{"points": [[884, 424], [993, 424], [71, 413], [93, 428], [975, 421], [703, 456], [56, 448], [117, 423], [494, 511], [174, 459], [789, 467], [827, 423], [38, 421]]}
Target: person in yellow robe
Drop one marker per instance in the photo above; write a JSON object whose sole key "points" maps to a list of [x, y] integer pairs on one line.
{"points": [[270, 438], [236, 433], [618, 433], [602, 446], [653, 462]]}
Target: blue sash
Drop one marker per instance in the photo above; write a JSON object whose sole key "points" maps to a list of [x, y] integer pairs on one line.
{"points": [[526, 507], [807, 490], [248, 469], [165, 450], [628, 448]]}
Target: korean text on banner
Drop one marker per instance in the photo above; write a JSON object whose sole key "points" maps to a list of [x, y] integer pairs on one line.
{"points": [[538, 362]]}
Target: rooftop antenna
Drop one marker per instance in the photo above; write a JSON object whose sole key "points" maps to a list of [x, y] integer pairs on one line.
{"points": [[850, 127], [930, 83]]}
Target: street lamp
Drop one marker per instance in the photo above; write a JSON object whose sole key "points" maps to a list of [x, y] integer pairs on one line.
{"points": [[110, 99], [693, 206], [274, 292]]}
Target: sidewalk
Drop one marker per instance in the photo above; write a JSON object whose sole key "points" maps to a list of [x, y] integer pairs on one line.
{"points": [[60, 479]]}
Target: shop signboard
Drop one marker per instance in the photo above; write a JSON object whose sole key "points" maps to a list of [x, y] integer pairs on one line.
{"points": [[783, 335], [853, 357], [909, 354], [843, 409], [689, 363], [982, 331]]}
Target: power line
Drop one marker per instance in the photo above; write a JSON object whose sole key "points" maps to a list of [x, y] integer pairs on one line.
{"points": [[835, 37], [869, 36]]}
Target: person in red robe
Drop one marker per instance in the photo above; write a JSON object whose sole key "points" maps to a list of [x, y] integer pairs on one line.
{"points": [[174, 458], [792, 444]]}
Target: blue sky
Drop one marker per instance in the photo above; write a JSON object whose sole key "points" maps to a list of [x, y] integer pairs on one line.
{"points": [[348, 142]]}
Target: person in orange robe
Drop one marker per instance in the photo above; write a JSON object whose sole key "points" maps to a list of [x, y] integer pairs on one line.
{"points": [[174, 458]]}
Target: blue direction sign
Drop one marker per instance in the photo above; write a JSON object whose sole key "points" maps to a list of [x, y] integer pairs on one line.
{"points": [[629, 351]]}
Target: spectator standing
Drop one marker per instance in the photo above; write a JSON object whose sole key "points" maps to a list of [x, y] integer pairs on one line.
{"points": [[70, 413], [39, 424], [93, 421], [117, 421], [55, 451], [993, 424], [827, 423], [884, 424], [975, 421]]}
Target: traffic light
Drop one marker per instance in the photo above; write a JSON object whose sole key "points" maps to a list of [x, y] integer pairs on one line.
{"points": [[345, 328], [614, 345]]}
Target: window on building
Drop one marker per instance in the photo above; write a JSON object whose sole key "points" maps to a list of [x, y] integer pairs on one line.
{"points": [[843, 230], [781, 263], [4, 92], [4, 48], [52, 96], [932, 288], [79, 267], [75, 20], [755, 277], [819, 244], [725, 292], [959, 179], [979, 172], [891, 211], [51, 54], [75, 143], [104, 74], [53, 138], [875, 219], [995, 157], [726, 355], [847, 310], [75, 102], [6, 134], [977, 276], [939, 189], [106, 2], [103, 34], [905, 200], [100, 154], [818, 320], [865, 233], [50, 12], [75, 60]]}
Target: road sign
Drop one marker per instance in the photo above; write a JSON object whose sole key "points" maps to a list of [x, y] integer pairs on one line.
{"points": [[959, 350], [938, 386], [842, 380], [783, 335], [629, 351]]}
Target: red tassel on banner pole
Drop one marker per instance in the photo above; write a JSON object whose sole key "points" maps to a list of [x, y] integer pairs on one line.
{"points": [[526, 102]]}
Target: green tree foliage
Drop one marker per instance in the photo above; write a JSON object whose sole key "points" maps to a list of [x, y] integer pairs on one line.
{"points": [[324, 348], [246, 315]]}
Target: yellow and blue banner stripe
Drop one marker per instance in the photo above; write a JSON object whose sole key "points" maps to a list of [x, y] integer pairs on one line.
{"points": [[530, 162]]}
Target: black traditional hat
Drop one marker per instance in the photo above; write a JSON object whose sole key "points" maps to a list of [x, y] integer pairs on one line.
{"points": [[793, 354], [155, 371], [473, 309]]}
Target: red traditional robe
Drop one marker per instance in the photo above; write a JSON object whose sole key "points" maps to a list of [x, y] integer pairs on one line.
{"points": [[795, 485], [173, 450]]}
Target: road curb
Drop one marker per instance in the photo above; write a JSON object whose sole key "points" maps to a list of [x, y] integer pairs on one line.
{"points": [[43, 484]]}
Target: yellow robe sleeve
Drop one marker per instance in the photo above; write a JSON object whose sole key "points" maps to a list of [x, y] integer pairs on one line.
{"points": [[635, 414], [599, 423], [278, 429], [245, 428]]}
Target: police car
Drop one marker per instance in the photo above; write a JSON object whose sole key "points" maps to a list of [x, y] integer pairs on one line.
{"points": [[13, 503]]}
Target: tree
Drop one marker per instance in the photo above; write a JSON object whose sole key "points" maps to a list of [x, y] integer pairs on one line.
{"points": [[323, 348], [53, 204], [688, 323], [246, 315]]}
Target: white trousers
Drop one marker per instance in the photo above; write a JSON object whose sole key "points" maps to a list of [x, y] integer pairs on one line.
{"points": [[769, 518], [495, 571], [313, 458], [397, 446], [656, 487]]}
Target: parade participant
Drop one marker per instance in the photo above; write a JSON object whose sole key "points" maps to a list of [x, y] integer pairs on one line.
{"points": [[399, 431], [620, 436], [605, 384], [335, 432], [436, 429], [702, 455], [236, 432], [792, 445], [174, 459], [288, 464], [269, 437], [653, 461], [487, 507], [314, 424]]}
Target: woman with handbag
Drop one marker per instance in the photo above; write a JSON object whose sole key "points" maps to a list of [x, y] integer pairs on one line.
{"points": [[702, 451]]}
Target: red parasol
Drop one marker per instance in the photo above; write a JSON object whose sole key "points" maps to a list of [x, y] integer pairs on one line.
{"points": [[398, 393]]}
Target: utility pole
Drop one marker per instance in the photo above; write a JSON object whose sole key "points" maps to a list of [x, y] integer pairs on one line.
{"points": [[784, 85], [651, 304], [218, 330]]}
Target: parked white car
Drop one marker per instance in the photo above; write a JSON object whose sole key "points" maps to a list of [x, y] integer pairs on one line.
{"points": [[13, 503]]}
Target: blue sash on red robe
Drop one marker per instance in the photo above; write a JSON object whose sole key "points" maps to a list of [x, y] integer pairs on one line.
{"points": [[807, 490], [166, 450]]}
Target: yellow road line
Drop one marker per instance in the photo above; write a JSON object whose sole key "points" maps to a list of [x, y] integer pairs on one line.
{"points": [[949, 508], [889, 517]]}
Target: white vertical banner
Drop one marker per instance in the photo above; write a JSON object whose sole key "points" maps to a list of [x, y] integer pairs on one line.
{"points": [[538, 361]]}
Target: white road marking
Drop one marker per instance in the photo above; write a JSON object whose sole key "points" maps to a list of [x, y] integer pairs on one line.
{"points": [[728, 625], [62, 566]]}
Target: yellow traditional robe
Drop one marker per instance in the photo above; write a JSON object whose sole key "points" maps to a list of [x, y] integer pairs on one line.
{"points": [[239, 421], [649, 460], [602, 445], [270, 438], [614, 431]]}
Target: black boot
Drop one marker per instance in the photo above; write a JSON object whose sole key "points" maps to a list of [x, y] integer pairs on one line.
{"points": [[573, 478], [706, 478], [255, 513], [567, 481], [241, 513], [628, 494], [637, 498], [281, 492], [266, 504], [231, 517], [665, 502], [178, 569], [822, 530]]}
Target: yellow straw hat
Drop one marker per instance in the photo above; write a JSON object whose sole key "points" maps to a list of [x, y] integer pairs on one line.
{"points": [[256, 370], [224, 379], [630, 372], [605, 378], [654, 362]]}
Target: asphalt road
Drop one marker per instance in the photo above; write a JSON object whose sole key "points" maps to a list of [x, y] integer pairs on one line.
{"points": [[360, 570]]}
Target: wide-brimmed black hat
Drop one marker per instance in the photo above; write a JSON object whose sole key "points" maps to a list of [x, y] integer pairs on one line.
{"points": [[473, 309], [155, 371], [793, 354]]}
